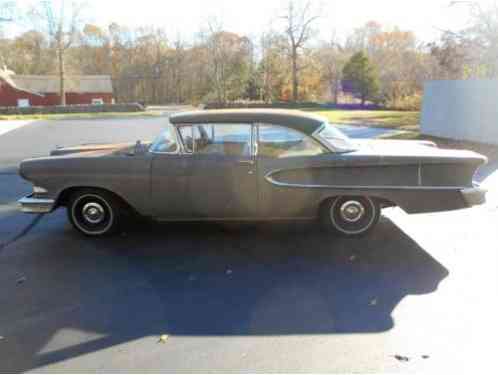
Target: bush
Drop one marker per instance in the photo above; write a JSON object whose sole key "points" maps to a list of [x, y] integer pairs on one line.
{"points": [[44, 110], [259, 104], [289, 105], [407, 103]]}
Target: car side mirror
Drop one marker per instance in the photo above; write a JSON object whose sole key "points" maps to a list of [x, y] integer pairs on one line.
{"points": [[138, 149]]}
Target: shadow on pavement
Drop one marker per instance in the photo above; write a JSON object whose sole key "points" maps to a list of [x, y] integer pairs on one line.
{"points": [[203, 279]]}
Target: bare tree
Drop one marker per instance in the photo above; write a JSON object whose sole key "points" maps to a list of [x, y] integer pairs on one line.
{"points": [[299, 29], [62, 30], [483, 33], [214, 45], [178, 60], [229, 60], [332, 57], [6, 15], [471, 52], [272, 65]]}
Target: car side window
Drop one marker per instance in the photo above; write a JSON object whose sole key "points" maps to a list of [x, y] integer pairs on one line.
{"points": [[221, 139], [187, 138], [281, 142]]}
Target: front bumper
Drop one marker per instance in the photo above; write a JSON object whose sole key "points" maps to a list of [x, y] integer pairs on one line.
{"points": [[36, 205], [474, 196]]}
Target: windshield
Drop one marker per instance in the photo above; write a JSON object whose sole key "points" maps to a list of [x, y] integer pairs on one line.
{"points": [[166, 142], [339, 141]]}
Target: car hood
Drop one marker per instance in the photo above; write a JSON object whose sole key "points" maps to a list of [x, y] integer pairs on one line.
{"points": [[416, 151], [94, 148], [99, 149], [58, 157]]}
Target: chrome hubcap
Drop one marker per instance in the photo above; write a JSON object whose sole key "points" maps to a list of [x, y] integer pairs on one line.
{"points": [[352, 211], [93, 213]]}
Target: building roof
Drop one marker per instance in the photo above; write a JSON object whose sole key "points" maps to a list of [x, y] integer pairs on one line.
{"points": [[51, 84], [302, 121]]}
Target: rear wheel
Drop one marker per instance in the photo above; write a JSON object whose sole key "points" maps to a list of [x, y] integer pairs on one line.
{"points": [[94, 212], [350, 215]]}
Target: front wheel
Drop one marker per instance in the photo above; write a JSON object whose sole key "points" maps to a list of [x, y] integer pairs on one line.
{"points": [[94, 213], [350, 215]]}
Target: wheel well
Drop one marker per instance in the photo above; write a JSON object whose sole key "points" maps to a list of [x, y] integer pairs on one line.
{"points": [[383, 202], [64, 196]]}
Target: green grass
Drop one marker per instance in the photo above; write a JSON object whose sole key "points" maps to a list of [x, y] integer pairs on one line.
{"points": [[403, 120], [76, 116], [407, 135]]}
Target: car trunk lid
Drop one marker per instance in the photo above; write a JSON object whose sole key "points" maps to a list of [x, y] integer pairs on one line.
{"points": [[425, 152]]}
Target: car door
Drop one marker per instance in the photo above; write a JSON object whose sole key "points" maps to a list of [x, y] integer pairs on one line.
{"points": [[282, 150], [223, 179], [170, 170]]}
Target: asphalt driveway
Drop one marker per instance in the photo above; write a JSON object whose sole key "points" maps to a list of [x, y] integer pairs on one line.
{"points": [[418, 294]]}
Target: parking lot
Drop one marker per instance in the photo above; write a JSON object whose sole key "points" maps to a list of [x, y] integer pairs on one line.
{"points": [[418, 294]]}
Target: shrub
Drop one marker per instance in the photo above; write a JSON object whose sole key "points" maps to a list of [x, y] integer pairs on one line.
{"points": [[407, 103], [43, 110]]}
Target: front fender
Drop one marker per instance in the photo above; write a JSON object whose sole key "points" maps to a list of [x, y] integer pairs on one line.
{"points": [[125, 176]]}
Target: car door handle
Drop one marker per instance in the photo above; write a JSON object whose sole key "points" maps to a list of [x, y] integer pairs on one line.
{"points": [[246, 162]]}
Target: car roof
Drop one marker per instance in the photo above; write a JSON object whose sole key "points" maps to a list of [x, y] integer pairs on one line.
{"points": [[302, 121]]}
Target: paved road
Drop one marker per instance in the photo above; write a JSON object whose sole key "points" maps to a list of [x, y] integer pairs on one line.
{"points": [[255, 297], [38, 138], [7, 126]]}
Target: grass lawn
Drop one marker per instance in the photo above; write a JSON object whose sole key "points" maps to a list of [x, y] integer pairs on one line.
{"points": [[402, 120], [76, 116], [407, 135]]}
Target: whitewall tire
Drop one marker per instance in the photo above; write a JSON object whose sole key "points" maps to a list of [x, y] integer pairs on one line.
{"points": [[93, 212], [350, 216]]}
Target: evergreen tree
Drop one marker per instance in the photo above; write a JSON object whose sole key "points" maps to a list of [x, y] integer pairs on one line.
{"points": [[360, 77]]}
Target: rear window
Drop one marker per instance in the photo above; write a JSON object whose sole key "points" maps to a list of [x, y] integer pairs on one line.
{"points": [[338, 141]]}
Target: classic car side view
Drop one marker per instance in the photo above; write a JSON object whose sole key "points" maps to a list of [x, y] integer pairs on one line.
{"points": [[250, 165]]}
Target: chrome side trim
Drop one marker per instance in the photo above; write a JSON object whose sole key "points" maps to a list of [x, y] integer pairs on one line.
{"points": [[268, 177], [419, 174], [36, 205], [39, 190], [255, 140]]}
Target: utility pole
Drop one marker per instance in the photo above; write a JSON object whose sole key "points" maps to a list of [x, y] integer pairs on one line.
{"points": [[57, 33]]}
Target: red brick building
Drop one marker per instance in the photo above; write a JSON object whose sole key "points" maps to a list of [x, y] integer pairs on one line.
{"points": [[31, 90]]}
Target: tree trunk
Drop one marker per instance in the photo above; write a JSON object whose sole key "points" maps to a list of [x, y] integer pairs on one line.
{"points": [[295, 82], [336, 91], [62, 88]]}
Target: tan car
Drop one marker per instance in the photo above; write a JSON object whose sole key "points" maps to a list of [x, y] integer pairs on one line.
{"points": [[251, 165]]}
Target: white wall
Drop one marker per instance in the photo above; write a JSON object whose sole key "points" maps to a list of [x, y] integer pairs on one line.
{"points": [[463, 110]]}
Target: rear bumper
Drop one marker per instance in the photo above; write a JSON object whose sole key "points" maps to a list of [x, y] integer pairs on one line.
{"points": [[474, 196], [32, 205]]}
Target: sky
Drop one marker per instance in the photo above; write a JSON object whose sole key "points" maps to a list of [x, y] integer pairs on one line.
{"points": [[250, 17]]}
